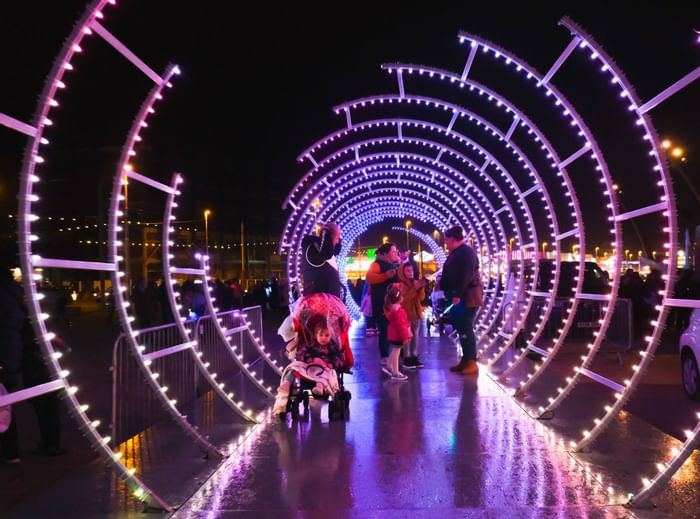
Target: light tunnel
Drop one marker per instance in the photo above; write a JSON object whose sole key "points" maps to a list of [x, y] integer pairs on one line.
{"points": [[444, 149], [474, 158]]}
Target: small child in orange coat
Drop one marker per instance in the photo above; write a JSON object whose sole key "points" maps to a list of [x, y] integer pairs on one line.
{"points": [[413, 292], [398, 332]]}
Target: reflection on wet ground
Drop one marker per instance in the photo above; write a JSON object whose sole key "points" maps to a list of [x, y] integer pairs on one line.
{"points": [[440, 442]]}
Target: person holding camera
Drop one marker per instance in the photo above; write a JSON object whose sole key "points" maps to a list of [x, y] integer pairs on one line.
{"points": [[319, 269]]}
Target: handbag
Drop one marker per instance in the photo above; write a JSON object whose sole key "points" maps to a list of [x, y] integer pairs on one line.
{"points": [[475, 296]]}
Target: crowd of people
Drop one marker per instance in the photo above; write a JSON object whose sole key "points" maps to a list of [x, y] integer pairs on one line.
{"points": [[393, 296], [152, 307]]}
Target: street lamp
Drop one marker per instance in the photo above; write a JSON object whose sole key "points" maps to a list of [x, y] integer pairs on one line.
{"points": [[639, 254], [408, 244], [653, 255], [596, 252], [385, 239], [573, 250], [207, 212], [678, 153], [544, 249]]}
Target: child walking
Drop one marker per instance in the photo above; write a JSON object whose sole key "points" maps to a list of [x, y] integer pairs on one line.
{"points": [[413, 292], [398, 331]]}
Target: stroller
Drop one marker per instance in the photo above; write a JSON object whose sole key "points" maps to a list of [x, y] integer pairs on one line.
{"points": [[317, 366], [441, 310]]}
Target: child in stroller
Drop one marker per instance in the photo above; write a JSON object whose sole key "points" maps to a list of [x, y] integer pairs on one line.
{"points": [[440, 310], [320, 353]]}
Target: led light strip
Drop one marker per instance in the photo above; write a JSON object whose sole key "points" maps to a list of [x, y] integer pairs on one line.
{"points": [[660, 169], [222, 331], [471, 164], [169, 271], [264, 354], [125, 173], [590, 146], [519, 120], [29, 177], [427, 102], [435, 177]]}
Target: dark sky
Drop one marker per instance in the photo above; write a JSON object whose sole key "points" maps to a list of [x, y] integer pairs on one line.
{"points": [[259, 81]]}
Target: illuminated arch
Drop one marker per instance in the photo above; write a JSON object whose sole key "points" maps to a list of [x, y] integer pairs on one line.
{"points": [[349, 162]]}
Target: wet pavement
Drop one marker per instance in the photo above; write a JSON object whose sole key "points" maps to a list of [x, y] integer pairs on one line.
{"points": [[454, 445], [458, 446]]}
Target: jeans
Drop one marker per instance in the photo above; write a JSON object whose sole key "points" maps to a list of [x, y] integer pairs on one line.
{"points": [[411, 349], [463, 320]]}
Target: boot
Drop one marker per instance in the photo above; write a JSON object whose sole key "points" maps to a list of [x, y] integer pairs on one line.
{"points": [[459, 367], [471, 368]]}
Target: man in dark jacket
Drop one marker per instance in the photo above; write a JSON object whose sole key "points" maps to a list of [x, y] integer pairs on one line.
{"points": [[457, 279], [319, 270]]}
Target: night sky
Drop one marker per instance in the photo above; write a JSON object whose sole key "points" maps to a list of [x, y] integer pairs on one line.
{"points": [[259, 82]]}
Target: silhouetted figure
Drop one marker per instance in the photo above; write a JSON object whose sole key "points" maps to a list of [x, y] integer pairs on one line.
{"points": [[274, 294], [166, 313], [62, 302], [138, 296]]}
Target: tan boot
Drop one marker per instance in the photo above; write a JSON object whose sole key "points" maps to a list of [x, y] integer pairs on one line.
{"points": [[471, 368]]}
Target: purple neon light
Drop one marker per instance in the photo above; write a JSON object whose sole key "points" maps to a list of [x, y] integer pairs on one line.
{"points": [[55, 81], [195, 354], [659, 167], [296, 273], [124, 169], [601, 167]]}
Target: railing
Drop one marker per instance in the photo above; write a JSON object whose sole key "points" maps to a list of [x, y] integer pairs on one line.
{"points": [[134, 407], [618, 337]]}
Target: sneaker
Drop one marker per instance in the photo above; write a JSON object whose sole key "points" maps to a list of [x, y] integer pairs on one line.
{"points": [[409, 363], [386, 371], [417, 363], [398, 376], [471, 368]]}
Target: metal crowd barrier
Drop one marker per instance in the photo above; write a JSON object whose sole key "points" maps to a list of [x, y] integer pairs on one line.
{"points": [[134, 408], [618, 338]]}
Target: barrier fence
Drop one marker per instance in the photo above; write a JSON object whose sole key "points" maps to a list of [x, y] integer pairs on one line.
{"points": [[618, 338], [134, 407]]}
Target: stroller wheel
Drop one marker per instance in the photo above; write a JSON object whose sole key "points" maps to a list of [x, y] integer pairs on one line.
{"points": [[332, 410]]}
